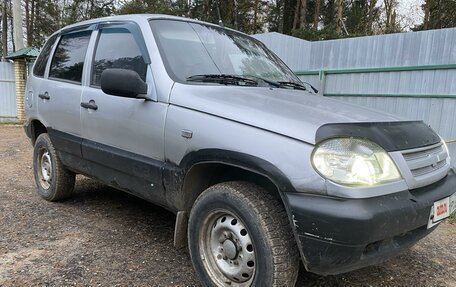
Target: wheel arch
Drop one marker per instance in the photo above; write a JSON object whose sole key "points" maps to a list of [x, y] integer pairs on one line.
{"points": [[35, 129], [207, 167]]}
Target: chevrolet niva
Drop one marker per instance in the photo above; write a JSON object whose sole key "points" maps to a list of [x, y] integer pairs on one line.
{"points": [[260, 170]]}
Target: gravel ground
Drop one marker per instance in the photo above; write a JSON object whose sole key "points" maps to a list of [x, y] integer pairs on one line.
{"points": [[103, 237]]}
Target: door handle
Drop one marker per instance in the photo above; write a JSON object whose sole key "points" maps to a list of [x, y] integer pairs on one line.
{"points": [[90, 105], [44, 96]]}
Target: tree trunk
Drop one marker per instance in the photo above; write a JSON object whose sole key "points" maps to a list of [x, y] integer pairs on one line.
{"points": [[296, 15], [37, 22], [207, 9], [302, 23], [29, 17], [11, 25], [389, 10], [32, 24], [17, 21], [441, 14], [339, 16], [235, 11], [4, 30], [255, 15], [281, 12], [371, 15], [427, 9], [316, 14]]}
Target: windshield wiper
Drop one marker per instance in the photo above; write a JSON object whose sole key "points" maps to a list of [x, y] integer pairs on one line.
{"points": [[312, 87], [269, 82], [293, 85], [223, 79], [298, 86]]}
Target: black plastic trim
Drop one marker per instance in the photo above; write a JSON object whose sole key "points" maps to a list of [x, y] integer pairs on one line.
{"points": [[122, 83], [65, 142], [331, 259], [80, 28], [28, 128], [127, 171], [127, 162], [392, 136], [238, 159], [335, 234]]}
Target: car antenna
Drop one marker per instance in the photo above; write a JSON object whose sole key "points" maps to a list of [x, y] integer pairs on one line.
{"points": [[218, 12]]}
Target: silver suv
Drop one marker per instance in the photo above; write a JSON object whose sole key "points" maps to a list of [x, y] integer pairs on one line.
{"points": [[260, 170]]}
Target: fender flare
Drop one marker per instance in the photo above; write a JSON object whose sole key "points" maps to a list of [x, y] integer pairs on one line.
{"points": [[241, 160]]}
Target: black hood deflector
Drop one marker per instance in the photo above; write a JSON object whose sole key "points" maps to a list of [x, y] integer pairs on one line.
{"points": [[392, 136]]}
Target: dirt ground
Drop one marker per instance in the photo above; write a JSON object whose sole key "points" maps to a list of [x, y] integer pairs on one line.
{"points": [[103, 237]]}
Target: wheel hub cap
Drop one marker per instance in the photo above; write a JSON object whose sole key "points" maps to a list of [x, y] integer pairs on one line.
{"points": [[229, 250], [45, 169]]}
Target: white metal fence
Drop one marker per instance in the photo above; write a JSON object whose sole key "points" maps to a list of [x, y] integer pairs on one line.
{"points": [[7, 93], [412, 75]]}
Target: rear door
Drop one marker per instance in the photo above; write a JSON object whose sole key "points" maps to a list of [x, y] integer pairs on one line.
{"points": [[124, 136], [59, 95]]}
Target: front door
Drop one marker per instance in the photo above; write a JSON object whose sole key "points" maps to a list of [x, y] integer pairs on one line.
{"points": [[123, 137]]}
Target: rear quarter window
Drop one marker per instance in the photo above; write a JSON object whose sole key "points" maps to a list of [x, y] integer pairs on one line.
{"points": [[69, 56], [41, 62]]}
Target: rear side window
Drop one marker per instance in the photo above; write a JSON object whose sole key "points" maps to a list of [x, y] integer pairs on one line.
{"points": [[40, 65], [117, 48], [69, 56]]}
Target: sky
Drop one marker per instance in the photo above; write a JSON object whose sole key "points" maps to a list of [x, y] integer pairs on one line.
{"points": [[410, 12]]}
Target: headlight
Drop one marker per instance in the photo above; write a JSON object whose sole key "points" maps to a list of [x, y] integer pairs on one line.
{"points": [[354, 162]]}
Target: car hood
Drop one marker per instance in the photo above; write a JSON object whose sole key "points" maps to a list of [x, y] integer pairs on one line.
{"points": [[293, 113]]}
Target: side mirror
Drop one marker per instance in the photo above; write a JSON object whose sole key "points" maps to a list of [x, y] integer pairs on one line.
{"points": [[122, 83]]}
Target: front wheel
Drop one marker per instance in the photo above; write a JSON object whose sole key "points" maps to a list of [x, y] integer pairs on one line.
{"points": [[53, 180], [240, 235]]}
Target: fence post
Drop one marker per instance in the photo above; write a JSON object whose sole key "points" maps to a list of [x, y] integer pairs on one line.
{"points": [[322, 77]]}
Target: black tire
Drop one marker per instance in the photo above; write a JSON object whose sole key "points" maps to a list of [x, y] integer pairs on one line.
{"points": [[53, 180], [261, 218]]}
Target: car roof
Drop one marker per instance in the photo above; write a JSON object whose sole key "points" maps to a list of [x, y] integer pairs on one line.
{"points": [[138, 18]]}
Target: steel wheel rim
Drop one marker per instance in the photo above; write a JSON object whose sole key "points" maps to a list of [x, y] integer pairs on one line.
{"points": [[227, 250], [44, 168]]}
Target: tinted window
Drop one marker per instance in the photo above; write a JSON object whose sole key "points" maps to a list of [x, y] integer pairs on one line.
{"points": [[69, 56], [117, 48], [40, 65]]}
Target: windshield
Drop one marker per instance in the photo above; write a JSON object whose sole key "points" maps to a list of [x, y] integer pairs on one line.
{"points": [[190, 49]]}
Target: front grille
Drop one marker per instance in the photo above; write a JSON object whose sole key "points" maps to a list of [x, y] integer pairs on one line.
{"points": [[422, 154], [423, 166], [428, 169]]}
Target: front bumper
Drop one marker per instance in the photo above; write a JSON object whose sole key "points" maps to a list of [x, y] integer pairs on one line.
{"points": [[337, 235]]}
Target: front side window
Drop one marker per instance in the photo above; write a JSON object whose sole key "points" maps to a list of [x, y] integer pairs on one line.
{"points": [[190, 49], [117, 49], [40, 65], [69, 56]]}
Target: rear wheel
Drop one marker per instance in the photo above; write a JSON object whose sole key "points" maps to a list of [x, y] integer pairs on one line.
{"points": [[53, 180], [240, 235]]}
